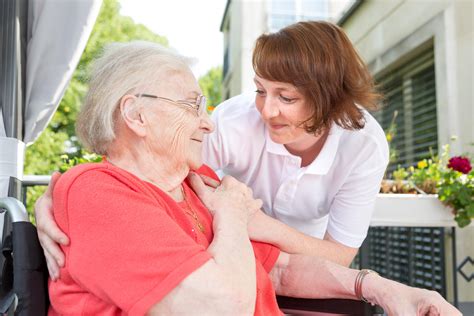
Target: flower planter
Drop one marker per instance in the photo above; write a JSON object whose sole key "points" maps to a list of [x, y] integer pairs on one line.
{"points": [[411, 210]]}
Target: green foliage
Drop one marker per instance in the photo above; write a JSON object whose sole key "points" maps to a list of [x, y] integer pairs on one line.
{"points": [[401, 174], [436, 176], [43, 160], [457, 191], [211, 85], [44, 156], [399, 184], [426, 175], [69, 162]]}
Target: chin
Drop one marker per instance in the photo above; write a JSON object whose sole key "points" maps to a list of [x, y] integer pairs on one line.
{"points": [[280, 139]]}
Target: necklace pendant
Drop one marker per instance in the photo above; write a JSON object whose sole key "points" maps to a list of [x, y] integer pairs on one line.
{"points": [[201, 227]]}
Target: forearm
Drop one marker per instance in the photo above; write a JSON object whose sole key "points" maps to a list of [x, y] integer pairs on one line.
{"points": [[223, 285], [292, 241], [312, 277], [233, 254]]}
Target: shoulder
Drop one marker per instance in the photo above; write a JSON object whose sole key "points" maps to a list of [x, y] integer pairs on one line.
{"points": [[92, 181], [368, 143], [371, 135], [92, 175], [85, 172]]}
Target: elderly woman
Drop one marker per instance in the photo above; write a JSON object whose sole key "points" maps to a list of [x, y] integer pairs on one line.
{"points": [[146, 233]]}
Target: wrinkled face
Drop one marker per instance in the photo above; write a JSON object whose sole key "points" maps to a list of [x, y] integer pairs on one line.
{"points": [[283, 109], [176, 131]]}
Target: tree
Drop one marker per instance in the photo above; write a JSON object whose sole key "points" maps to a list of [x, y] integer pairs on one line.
{"points": [[58, 139], [211, 85]]}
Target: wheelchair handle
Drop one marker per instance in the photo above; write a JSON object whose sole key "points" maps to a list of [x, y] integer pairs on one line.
{"points": [[15, 209]]}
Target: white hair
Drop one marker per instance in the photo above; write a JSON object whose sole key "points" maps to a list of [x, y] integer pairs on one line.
{"points": [[121, 68]]}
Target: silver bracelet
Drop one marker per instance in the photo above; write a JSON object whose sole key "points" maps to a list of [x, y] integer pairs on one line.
{"points": [[358, 283]]}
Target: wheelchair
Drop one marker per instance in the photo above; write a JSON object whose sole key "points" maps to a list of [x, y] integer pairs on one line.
{"points": [[23, 282]]}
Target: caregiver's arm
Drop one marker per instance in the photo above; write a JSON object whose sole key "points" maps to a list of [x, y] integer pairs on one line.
{"points": [[349, 219], [312, 277], [49, 234], [267, 229]]}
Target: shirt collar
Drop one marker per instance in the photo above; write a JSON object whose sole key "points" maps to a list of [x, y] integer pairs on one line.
{"points": [[326, 157]]}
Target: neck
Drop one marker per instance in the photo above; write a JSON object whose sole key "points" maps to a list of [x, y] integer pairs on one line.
{"points": [[309, 148], [158, 170]]}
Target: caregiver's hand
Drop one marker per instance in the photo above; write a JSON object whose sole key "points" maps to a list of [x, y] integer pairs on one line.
{"points": [[49, 234], [400, 300], [230, 196], [257, 221]]}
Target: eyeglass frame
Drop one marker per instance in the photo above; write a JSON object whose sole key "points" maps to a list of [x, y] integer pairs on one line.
{"points": [[199, 106]]}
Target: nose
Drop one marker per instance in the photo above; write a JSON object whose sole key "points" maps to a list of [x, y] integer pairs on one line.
{"points": [[207, 125], [270, 108]]}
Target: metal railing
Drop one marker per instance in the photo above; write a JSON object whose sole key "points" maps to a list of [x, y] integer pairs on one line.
{"points": [[411, 255]]}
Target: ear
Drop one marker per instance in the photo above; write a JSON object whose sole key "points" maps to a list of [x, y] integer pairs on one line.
{"points": [[132, 116]]}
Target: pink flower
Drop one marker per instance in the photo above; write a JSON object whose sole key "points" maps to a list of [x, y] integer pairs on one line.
{"points": [[461, 164]]}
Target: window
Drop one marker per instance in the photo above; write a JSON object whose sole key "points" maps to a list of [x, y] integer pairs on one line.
{"points": [[282, 13], [316, 8], [410, 103], [286, 12]]}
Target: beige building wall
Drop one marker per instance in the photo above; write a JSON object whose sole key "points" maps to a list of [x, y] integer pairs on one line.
{"points": [[246, 21], [386, 34]]}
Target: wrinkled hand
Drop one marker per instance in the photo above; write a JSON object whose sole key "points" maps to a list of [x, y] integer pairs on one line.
{"points": [[228, 196], [258, 222], [49, 234], [402, 300]]}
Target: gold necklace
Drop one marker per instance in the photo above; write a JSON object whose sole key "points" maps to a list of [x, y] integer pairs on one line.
{"points": [[191, 212]]}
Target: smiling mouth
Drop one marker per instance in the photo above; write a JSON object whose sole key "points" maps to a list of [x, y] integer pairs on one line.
{"points": [[197, 140], [277, 126]]}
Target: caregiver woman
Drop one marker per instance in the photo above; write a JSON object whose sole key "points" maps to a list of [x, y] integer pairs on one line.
{"points": [[303, 142]]}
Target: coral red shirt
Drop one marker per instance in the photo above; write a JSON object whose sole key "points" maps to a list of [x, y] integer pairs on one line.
{"points": [[131, 244]]}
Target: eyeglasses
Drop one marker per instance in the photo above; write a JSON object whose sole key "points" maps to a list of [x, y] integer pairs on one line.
{"points": [[199, 106]]}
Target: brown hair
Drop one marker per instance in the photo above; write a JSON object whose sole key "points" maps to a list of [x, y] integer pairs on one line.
{"points": [[320, 61]]}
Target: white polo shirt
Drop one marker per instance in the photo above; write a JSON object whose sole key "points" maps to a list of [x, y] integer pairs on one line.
{"points": [[335, 193]]}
